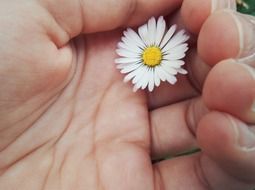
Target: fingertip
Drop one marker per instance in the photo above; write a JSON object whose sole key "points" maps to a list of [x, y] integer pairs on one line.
{"points": [[230, 88], [217, 138], [222, 137], [146, 9], [219, 38], [194, 14], [213, 131]]}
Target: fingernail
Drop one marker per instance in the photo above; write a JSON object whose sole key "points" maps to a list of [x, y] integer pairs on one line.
{"points": [[246, 29], [223, 4], [245, 135], [248, 68], [253, 107], [246, 139], [251, 72]]}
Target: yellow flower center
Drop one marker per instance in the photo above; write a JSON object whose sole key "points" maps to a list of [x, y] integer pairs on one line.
{"points": [[152, 56]]}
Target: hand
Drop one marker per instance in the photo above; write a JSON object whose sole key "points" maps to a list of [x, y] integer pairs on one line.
{"points": [[67, 121]]}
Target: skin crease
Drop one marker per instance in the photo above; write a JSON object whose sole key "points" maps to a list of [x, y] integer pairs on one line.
{"points": [[67, 121]]}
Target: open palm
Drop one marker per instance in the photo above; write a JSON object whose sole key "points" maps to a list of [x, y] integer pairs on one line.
{"points": [[69, 121]]}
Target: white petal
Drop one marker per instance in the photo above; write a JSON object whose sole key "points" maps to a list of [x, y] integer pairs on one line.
{"points": [[131, 45], [125, 53], [161, 73], [135, 88], [143, 32], [126, 60], [165, 76], [175, 63], [171, 79], [139, 80], [156, 77], [151, 81], [123, 65], [174, 56], [130, 33], [145, 79], [139, 84], [130, 68], [161, 27], [177, 39], [168, 36], [152, 27], [130, 39], [124, 46], [180, 48], [140, 75], [182, 71], [178, 62], [132, 74], [168, 68]]}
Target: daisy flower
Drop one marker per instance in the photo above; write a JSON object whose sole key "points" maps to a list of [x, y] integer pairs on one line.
{"points": [[152, 55]]}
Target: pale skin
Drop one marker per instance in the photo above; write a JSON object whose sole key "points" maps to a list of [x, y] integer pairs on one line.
{"points": [[67, 121]]}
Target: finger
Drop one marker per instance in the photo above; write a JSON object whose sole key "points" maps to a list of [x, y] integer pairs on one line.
{"points": [[195, 13], [225, 35], [230, 88], [181, 173], [94, 16], [195, 172], [173, 127], [230, 143]]}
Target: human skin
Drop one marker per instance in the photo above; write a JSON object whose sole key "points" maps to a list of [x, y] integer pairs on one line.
{"points": [[68, 122]]}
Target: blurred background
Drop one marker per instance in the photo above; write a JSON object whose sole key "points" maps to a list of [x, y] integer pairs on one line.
{"points": [[246, 6]]}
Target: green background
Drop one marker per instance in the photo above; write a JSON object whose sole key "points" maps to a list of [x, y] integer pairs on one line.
{"points": [[247, 7]]}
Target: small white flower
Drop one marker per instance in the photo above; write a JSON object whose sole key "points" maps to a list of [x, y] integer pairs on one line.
{"points": [[153, 55]]}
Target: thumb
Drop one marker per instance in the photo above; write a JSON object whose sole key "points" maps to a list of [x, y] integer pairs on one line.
{"points": [[87, 16], [237, 40], [230, 143]]}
